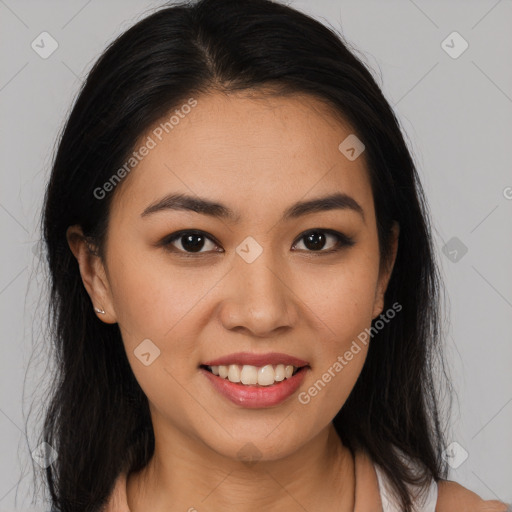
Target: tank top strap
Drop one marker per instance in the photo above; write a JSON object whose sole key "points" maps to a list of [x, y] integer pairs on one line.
{"points": [[425, 502]]}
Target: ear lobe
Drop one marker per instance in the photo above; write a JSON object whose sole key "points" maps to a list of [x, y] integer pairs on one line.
{"points": [[92, 272], [386, 271]]}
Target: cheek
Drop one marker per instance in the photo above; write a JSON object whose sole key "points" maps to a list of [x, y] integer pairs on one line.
{"points": [[156, 302], [150, 296], [332, 380], [156, 319], [342, 298]]}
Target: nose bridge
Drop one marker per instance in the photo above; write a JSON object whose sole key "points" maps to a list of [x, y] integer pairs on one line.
{"points": [[261, 302], [261, 277]]}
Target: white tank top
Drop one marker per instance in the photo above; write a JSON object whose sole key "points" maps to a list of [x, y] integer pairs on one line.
{"points": [[425, 502]]}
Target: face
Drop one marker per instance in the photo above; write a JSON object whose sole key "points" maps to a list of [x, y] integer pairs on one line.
{"points": [[189, 288]]}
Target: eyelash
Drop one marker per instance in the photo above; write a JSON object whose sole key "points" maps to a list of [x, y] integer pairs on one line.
{"points": [[342, 241]]}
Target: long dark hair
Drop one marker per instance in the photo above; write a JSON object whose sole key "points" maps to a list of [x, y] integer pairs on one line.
{"points": [[98, 418]]}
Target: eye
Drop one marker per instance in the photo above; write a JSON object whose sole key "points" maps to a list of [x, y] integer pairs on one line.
{"points": [[315, 240], [193, 241], [190, 241]]}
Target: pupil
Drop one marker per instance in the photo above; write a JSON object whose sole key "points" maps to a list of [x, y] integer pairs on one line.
{"points": [[189, 244], [315, 240]]}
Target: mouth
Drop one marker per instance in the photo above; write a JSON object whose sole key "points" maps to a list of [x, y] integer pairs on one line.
{"points": [[255, 376], [255, 387]]}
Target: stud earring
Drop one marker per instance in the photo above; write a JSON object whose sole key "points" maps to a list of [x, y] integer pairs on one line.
{"points": [[100, 311]]}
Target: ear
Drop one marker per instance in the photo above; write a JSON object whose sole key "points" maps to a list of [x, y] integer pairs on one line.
{"points": [[385, 271], [93, 273]]}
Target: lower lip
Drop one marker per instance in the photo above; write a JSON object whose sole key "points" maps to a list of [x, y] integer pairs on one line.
{"points": [[256, 397]]}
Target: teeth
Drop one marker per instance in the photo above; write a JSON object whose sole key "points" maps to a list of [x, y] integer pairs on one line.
{"points": [[253, 375], [248, 375], [266, 375], [279, 373], [234, 373]]}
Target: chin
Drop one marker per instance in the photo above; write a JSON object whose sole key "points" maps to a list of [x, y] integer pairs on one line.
{"points": [[258, 447]]}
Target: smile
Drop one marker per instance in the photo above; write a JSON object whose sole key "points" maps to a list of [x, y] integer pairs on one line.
{"points": [[249, 375], [256, 396]]}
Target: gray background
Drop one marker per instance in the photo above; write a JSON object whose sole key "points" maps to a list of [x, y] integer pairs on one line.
{"points": [[456, 113]]}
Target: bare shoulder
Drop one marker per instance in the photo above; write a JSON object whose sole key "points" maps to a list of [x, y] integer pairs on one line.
{"points": [[453, 497]]}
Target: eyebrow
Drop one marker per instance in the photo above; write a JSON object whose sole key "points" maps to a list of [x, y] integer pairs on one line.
{"points": [[336, 201]]}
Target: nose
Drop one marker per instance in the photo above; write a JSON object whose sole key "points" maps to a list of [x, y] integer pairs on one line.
{"points": [[258, 299]]}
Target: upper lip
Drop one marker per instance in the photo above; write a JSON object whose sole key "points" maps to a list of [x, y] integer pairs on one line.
{"points": [[248, 358]]}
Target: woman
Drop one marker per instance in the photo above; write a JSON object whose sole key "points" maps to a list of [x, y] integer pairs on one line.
{"points": [[244, 290]]}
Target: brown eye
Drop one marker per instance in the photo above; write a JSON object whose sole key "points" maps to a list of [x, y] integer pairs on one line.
{"points": [[190, 242], [316, 240], [193, 242]]}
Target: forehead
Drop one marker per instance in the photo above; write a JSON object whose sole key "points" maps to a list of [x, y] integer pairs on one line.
{"points": [[255, 152]]}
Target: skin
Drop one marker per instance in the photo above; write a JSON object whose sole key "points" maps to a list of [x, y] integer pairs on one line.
{"points": [[257, 156]]}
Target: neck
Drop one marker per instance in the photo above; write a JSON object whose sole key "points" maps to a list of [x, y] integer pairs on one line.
{"points": [[185, 475]]}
